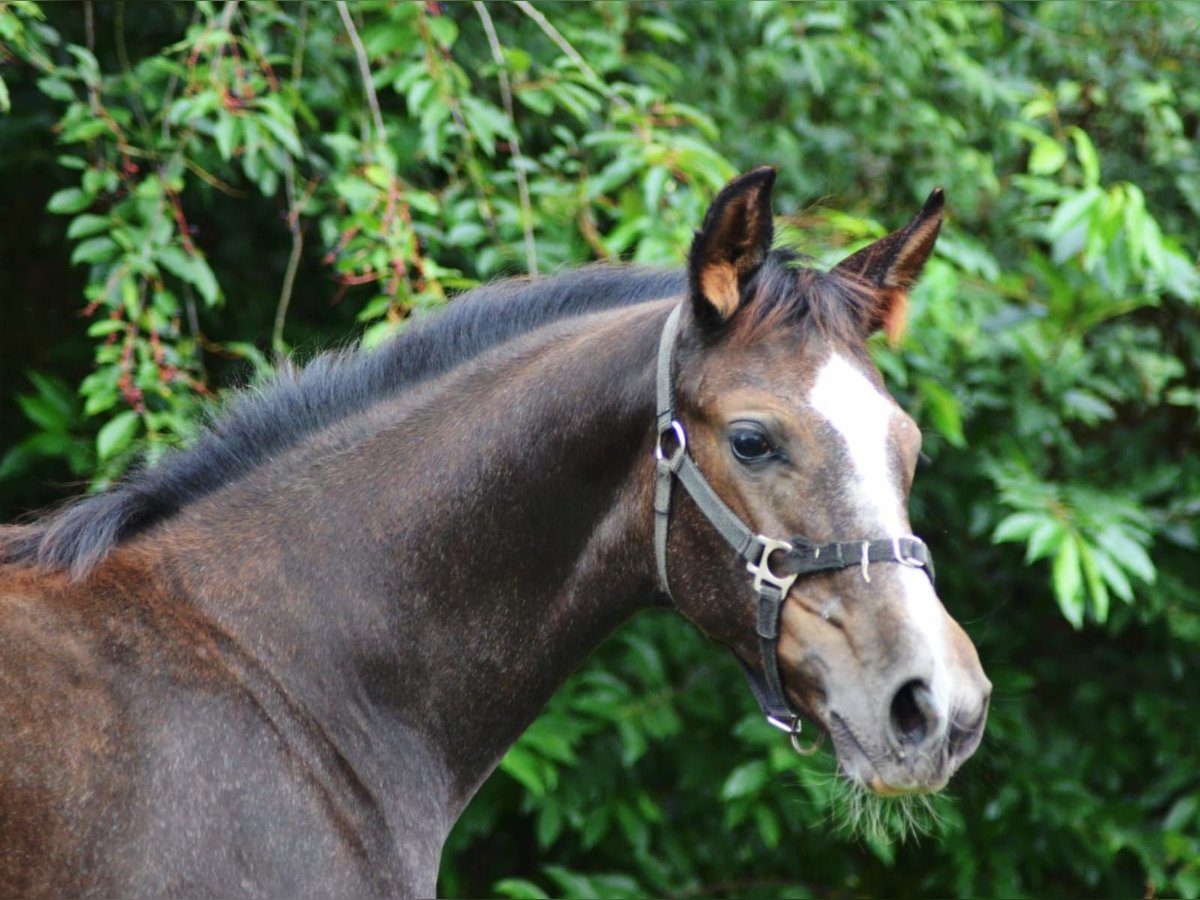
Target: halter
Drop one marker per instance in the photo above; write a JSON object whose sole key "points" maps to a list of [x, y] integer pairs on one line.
{"points": [[774, 564]]}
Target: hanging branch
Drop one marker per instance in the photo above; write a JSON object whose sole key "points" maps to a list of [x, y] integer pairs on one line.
{"points": [[518, 159], [289, 277], [294, 209], [364, 68]]}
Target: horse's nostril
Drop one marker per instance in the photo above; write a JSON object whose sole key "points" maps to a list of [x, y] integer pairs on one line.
{"points": [[913, 714], [965, 738]]}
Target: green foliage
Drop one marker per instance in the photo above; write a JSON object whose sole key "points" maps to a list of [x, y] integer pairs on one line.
{"points": [[228, 181]]}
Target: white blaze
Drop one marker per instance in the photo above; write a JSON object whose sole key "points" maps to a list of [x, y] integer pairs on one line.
{"points": [[862, 415]]}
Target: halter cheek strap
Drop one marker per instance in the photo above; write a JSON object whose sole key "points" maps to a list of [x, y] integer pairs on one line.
{"points": [[773, 564]]}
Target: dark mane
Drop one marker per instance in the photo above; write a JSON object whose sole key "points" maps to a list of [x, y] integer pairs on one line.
{"points": [[257, 425], [298, 402]]}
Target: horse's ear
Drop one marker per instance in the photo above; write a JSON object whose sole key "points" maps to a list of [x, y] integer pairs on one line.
{"points": [[731, 244], [893, 264]]}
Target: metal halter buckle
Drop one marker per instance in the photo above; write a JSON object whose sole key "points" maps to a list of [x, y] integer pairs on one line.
{"points": [[906, 560], [761, 567]]}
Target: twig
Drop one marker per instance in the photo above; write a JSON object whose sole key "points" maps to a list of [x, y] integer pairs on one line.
{"points": [[570, 52], [227, 22], [119, 28], [193, 320], [298, 54], [591, 234], [227, 26], [212, 180], [294, 208], [518, 160], [446, 95], [364, 68], [89, 25], [289, 277]]}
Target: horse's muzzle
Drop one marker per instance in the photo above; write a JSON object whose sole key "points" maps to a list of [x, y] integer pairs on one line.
{"points": [[920, 751]]}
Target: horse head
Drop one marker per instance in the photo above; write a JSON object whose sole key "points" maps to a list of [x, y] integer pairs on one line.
{"points": [[780, 428]]}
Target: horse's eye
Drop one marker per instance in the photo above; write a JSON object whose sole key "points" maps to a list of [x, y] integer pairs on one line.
{"points": [[749, 444]]}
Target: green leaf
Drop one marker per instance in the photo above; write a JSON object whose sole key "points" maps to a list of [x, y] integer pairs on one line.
{"points": [[768, 825], [285, 133], [1085, 151], [1095, 584], [42, 412], [56, 89], [89, 68], [88, 224], [56, 391], [1047, 157], [192, 269], [1182, 812], [519, 889], [14, 462], [748, 778], [465, 234], [1044, 540], [526, 768], [378, 334], [444, 30], [1068, 581], [573, 884], [1127, 553], [226, 134], [101, 327], [1017, 526], [537, 100], [549, 823], [69, 200], [94, 250], [943, 411], [1113, 575], [1087, 407], [1072, 211], [117, 434]]}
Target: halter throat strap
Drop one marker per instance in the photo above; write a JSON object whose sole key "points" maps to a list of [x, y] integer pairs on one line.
{"points": [[773, 564]]}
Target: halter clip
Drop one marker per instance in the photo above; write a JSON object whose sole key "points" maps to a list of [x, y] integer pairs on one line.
{"points": [[760, 568]]}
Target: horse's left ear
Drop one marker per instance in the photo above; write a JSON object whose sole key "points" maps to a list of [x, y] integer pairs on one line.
{"points": [[731, 244], [893, 264]]}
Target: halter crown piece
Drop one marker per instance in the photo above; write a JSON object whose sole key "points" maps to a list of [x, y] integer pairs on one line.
{"points": [[773, 564]]}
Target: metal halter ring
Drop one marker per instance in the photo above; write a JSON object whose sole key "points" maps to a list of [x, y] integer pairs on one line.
{"points": [[676, 456], [792, 729]]}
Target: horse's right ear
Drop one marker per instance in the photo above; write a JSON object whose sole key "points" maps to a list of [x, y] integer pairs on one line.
{"points": [[731, 244]]}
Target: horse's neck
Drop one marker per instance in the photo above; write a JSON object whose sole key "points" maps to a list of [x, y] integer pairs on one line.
{"points": [[427, 580]]}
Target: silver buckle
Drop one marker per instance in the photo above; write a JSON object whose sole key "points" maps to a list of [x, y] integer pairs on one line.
{"points": [[906, 560], [761, 568]]}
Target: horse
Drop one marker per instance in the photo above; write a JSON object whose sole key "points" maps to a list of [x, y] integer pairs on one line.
{"points": [[281, 662]]}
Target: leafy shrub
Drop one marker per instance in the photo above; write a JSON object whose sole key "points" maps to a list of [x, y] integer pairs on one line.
{"points": [[225, 182]]}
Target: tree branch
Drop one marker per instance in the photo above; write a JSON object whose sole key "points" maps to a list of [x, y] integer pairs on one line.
{"points": [[289, 277], [518, 159], [364, 68]]}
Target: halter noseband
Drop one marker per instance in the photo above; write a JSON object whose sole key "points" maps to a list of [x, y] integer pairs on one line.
{"points": [[774, 564]]}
